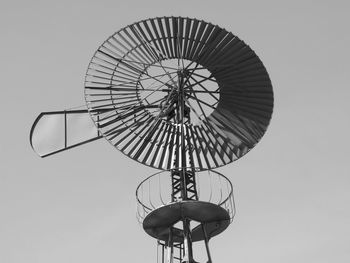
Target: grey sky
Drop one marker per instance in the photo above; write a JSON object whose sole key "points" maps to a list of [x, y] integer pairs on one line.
{"points": [[291, 190]]}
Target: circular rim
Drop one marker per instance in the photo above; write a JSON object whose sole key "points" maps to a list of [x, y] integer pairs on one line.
{"points": [[239, 119], [199, 173]]}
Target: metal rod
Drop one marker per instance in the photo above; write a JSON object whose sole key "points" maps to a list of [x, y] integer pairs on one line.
{"points": [[170, 246], [206, 241], [65, 129]]}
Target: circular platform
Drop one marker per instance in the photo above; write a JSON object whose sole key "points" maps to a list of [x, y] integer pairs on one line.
{"points": [[158, 222]]}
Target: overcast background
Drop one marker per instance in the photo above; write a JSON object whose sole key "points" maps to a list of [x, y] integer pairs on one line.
{"points": [[292, 190]]}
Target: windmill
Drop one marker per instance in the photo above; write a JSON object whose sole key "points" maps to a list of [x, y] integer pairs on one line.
{"points": [[180, 95]]}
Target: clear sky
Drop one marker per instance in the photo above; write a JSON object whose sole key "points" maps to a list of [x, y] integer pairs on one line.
{"points": [[292, 190]]}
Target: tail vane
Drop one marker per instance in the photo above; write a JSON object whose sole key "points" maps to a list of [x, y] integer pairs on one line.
{"points": [[57, 131]]}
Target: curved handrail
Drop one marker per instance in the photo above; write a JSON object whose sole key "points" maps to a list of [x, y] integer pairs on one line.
{"points": [[222, 191]]}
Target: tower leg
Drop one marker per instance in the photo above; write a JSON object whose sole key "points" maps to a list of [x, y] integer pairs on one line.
{"points": [[206, 241], [188, 257], [170, 247]]}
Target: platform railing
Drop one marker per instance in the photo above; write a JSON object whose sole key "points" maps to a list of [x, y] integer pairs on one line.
{"points": [[156, 190]]}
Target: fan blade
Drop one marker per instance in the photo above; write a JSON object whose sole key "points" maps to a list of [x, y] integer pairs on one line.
{"points": [[57, 131]]}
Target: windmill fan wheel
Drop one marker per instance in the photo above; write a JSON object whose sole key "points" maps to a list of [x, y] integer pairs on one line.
{"points": [[157, 78]]}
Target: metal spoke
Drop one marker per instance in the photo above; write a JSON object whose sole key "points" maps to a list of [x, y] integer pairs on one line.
{"points": [[207, 91], [199, 100], [199, 75], [133, 68], [159, 61]]}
